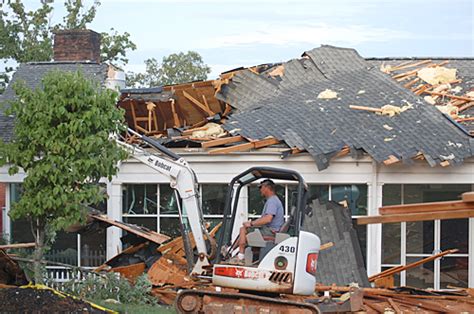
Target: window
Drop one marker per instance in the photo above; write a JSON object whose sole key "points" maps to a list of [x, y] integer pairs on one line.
{"points": [[87, 249], [404, 243], [353, 195], [155, 206], [256, 201]]}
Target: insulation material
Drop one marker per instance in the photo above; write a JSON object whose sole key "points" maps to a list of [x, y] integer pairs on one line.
{"points": [[430, 100], [449, 109], [213, 130], [327, 94], [390, 110], [438, 75], [386, 68], [456, 89]]}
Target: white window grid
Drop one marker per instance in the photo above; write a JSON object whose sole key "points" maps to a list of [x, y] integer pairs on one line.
{"points": [[436, 249]]}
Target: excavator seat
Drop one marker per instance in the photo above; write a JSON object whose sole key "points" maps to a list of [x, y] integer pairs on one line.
{"points": [[258, 245]]}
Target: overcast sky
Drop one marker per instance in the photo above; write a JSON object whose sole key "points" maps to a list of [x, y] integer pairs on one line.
{"points": [[230, 34]]}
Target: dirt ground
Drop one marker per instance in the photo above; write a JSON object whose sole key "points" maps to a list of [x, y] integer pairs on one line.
{"points": [[28, 300]]}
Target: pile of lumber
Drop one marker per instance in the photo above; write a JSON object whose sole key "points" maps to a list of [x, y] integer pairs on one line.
{"points": [[423, 211], [409, 300], [444, 93]]}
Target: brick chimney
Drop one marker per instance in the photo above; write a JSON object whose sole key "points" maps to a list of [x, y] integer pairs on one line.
{"points": [[76, 45]]}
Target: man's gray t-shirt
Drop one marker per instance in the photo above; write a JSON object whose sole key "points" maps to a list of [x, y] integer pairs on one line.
{"points": [[274, 207]]}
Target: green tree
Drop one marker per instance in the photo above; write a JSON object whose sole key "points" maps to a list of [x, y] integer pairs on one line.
{"points": [[174, 69], [26, 36], [62, 144]]}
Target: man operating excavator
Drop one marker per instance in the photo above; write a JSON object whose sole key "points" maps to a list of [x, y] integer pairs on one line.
{"points": [[269, 223]]}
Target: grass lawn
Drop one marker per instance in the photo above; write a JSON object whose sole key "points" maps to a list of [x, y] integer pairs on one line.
{"points": [[136, 309]]}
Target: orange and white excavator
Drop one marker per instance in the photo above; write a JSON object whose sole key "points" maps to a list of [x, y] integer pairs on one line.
{"points": [[283, 264]]}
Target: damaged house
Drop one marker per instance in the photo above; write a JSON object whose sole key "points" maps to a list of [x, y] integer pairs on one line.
{"points": [[360, 132]]}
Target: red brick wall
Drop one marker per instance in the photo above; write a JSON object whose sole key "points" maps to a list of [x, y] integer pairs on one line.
{"points": [[77, 45], [2, 204]]}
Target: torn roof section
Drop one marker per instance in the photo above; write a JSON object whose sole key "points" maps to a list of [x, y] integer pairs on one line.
{"points": [[286, 106], [154, 111]]}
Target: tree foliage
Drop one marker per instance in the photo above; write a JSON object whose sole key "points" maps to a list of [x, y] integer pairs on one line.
{"points": [[62, 144], [174, 69], [27, 36]]}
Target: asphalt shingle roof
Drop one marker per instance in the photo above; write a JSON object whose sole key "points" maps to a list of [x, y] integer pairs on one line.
{"points": [[287, 108], [32, 73]]}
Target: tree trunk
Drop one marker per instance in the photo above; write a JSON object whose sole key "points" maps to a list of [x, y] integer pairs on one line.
{"points": [[39, 234]]}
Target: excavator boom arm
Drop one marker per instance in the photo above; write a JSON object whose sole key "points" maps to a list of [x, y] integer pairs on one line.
{"points": [[183, 180]]}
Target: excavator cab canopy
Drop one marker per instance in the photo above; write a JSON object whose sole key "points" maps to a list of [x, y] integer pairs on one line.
{"points": [[249, 176]]}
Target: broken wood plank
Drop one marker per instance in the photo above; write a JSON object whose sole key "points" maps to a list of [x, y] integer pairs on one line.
{"points": [[450, 96], [254, 144], [198, 103], [235, 148], [227, 110], [326, 246], [164, 271], [131, 272], [222, 141], [412, 82], [397, 68], [422, 90], [391, 160], [265, 142], [17, 246], [365, 108], [177, 124], [466, 106], [426, 207], [415, 217], [444, 163], [465, 119], [394, 306], [139, 231], [468, 197], [191, 131], [405, 74], [428, 305], [398, 269], [205, 103], [343, 152]]}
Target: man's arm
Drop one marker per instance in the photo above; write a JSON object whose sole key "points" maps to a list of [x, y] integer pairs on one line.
{"points": [[264, 220]]}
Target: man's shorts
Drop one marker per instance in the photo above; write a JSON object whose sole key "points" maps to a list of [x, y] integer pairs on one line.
{"points": [[266, 231]]}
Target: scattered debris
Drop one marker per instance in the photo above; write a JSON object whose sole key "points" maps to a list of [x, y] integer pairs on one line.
{"points": [[387, 110], [437, 75], [10, 272], [327, 217], [449, 109], [210, 130], [406, 299], [327, 94], [390, 110], [423, 211], [387, 127], [437, 82], [385, 279]]}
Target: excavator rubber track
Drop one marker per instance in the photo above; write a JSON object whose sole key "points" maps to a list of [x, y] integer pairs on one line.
{"points": [[200, 301]]}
